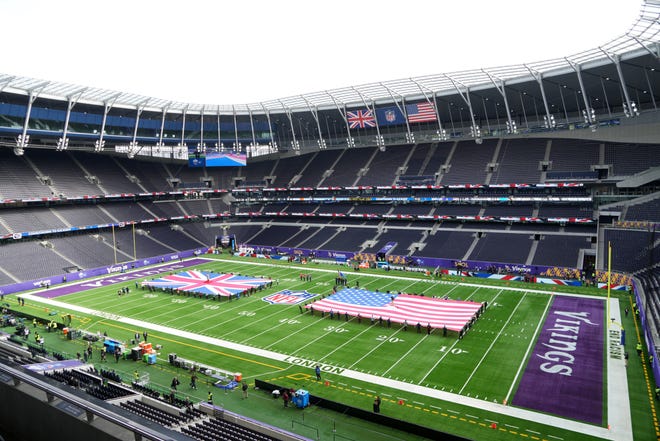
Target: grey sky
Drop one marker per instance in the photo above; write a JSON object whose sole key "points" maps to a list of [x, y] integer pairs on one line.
{"points": [[220, 52]]}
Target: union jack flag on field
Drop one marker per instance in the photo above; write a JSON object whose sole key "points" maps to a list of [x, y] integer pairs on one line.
{"points": [[207, 283], [361, 119]]}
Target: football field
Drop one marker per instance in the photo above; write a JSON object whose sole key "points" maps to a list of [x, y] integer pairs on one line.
{"points": [[463, 386]]}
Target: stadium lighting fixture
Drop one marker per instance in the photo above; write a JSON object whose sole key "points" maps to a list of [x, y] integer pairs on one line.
{"points": [[321, 143], [549, 123], [295, 144], [350, 142], [475, 132], [631, 111], [133, 147], [511, 128], [589, 115], [380, 142], [62, 144], [99, 145], [442, 134], [21, 143], [410, 138]]}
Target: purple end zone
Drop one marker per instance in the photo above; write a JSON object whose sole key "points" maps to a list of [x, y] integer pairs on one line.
{"points": [[119, 278], [564, 375]]}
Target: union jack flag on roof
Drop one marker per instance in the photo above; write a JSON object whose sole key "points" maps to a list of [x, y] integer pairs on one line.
{"points": [[360, 119]]}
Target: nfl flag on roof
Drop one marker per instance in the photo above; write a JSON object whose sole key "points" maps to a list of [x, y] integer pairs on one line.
{"points": [[421, 112], [390, 116], [361, 119]]}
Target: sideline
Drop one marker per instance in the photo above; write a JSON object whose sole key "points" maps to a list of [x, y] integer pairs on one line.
{"points": [[621, 432], [438, 281]]}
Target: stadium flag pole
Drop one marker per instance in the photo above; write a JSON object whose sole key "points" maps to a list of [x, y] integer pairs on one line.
{"points": [[134, 248], [609, 276], [114, 243]]}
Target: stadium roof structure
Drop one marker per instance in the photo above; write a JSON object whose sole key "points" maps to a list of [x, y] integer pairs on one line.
{"points": [[642, 38]]}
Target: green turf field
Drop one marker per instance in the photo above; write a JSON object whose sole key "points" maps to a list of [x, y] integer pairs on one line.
{"points": [[280, 344]]}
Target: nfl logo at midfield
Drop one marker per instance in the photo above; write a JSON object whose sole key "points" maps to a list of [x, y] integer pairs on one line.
{"points": [[288, 297]]}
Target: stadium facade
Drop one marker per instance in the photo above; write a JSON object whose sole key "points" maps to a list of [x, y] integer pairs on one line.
{"points": [[480, 158]]}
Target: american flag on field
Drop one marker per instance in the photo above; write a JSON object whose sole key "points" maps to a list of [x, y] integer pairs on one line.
{"points": [[361, 119], [422, 112], [454, 314], [207, 283]]}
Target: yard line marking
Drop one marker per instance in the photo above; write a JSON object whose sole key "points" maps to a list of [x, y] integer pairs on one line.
{"points": [[529, 348], [417, 402], [492, 343], [532, 431], [513, 427], [438, 362], [473, 293], [374, 348], [304, 328], [490, 421], [555, 437], [448, 351], [471, 416], [453, 411], [299, 350], [405, 355], [435, 407], [346, 342]]}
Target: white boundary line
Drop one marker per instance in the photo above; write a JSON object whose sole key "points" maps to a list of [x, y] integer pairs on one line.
{"points": [[529, 348], [617, 433], [492, 343]]}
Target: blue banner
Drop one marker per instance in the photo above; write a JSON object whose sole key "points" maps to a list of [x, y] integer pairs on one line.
{"points": [[390, 116], [196, 161]]}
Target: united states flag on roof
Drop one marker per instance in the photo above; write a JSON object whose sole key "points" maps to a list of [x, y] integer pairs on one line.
{"points": [[413, 309], [361, 119], [207, 283], [422, 112]]}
